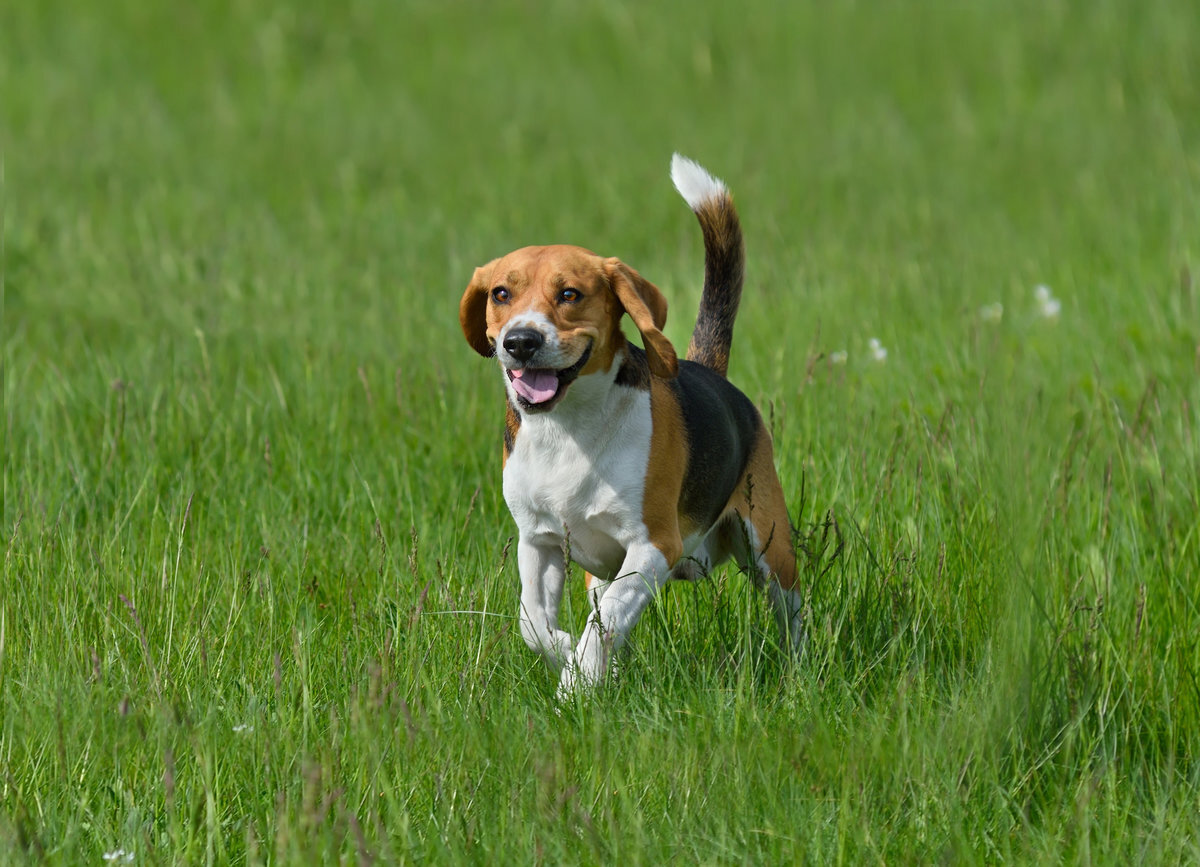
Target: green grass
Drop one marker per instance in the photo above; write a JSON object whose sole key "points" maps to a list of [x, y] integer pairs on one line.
{"points": [[257, 601]]}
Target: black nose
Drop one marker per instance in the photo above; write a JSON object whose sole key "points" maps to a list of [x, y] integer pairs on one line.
{"points": [[522, 343]]}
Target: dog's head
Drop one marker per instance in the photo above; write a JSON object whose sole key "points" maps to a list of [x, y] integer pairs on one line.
{"points": [[552, 314]]}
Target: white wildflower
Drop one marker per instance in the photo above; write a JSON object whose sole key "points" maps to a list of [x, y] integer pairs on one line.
{"points": [[991, 312], [243, 727], [1048, 306], [878, 350], [118, 855], [838, 357]]}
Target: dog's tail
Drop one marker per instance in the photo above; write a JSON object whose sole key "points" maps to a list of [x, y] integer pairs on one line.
{"points": [[724, 262]]}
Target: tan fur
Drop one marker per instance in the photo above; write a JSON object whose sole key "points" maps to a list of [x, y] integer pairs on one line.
{"points": [[534, 276], [664, 475], [759, 498], [647, 308], [512, 424]]}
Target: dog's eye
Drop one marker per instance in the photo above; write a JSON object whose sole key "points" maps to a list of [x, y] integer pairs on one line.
{"points": [[569, 296], [500, 295]]}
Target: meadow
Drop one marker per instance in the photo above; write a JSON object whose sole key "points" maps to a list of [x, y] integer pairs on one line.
{"points": [[258, 597]]}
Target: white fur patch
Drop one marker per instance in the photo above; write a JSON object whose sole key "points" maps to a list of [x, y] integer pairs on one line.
{"points": [[694, 183], [575, 480], [577, 474]]}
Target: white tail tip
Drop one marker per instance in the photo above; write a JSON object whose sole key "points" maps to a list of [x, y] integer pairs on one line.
{"points": [[694, 183]]}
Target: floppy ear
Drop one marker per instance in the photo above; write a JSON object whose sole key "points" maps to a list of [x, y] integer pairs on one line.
{"points": [[647, 308], [472, 310]]}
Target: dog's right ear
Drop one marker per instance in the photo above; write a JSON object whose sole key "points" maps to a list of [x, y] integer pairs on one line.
{"points": [[472, 310]]}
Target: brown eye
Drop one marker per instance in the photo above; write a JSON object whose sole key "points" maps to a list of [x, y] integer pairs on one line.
{"points": [[500, 295], [569, 296]]}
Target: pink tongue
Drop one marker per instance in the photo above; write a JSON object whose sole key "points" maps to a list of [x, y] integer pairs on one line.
{"points": [[536, 386]]}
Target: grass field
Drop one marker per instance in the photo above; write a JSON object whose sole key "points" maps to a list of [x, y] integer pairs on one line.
{"points": [[258, 599]]}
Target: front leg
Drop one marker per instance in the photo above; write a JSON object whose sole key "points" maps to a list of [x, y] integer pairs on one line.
{"points": [[543, 571], [644, 570]]}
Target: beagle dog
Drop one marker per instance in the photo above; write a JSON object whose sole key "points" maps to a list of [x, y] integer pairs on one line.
{"points": [[636, 465]]}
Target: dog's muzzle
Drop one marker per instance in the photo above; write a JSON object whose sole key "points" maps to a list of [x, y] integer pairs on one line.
{"points": [[539, 389]]}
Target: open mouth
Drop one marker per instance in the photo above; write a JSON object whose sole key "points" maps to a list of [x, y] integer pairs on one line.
{"points": [[539, 388]]}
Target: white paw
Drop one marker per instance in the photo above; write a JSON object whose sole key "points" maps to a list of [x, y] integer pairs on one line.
{"points": [[578, 678], [568, 681]]}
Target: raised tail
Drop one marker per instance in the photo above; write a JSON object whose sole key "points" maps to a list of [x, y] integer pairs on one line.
{"points": [[724, 262]]}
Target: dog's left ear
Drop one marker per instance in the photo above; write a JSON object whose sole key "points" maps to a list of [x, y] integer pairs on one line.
{"points": [[647, 308], [472, 310]]}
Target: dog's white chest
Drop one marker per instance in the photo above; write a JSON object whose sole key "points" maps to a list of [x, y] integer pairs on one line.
{"points": [[582, 479]]}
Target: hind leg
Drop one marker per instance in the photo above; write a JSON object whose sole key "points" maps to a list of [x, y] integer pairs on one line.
{"points": [[765, 547], [773, 570], [789, 617]]}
